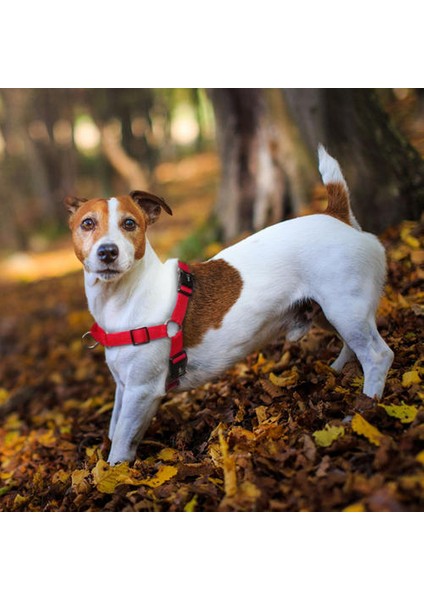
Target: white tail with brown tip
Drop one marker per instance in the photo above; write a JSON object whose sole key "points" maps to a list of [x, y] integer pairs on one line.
{"points": [[338, 192]]}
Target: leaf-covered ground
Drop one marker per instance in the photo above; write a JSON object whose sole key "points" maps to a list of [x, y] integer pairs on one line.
{"points": [[279, 432]]}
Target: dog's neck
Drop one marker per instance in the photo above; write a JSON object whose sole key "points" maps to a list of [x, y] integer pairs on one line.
{"points": [[135, 298]]}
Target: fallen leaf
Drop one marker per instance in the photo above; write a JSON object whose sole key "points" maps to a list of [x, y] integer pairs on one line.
{"points": [[288, 380], [228, 465], [47, 439], [261, 414], [362, 427], [4, 395], [78, 479], [164, 473], [355, 507], [409, 239], [249, 490], [191, 504], [404, 412], [257, 367], [410, 378], [61, 476], [325, 437], [420, 457], [168, 454], [20, 501], [106, 477]]}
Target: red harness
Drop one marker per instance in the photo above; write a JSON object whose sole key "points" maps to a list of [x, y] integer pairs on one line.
{"points": [[144, 335]]}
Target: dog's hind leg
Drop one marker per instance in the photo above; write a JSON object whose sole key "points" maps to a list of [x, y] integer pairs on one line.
{"points": [[359, 333], [345, 356]]}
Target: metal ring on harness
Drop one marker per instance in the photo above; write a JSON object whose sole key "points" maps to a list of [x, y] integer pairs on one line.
{"points": [[88, 333]]}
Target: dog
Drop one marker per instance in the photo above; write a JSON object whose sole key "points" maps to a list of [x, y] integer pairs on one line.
{"points": [[173, 326]]}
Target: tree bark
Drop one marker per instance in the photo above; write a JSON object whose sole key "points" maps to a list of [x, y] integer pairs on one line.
{"points": [[252, 183], [384, 172]]}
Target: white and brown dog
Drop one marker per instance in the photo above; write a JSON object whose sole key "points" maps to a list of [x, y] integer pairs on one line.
{"points": [[229, 306]]}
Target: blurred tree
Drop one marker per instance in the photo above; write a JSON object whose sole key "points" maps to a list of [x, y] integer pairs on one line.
{"points": [[267, 141], [251, 189], [87, 141], [384, 171]]}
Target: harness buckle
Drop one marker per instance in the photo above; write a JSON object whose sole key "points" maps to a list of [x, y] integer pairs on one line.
{"points": [[185, 283], [177, 366], [146, 341]]}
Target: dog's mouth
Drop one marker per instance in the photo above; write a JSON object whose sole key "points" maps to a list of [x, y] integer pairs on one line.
{"points": [[107, 274]]}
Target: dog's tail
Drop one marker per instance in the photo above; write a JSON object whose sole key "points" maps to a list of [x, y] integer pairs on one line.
{"points": [[338, 192]]}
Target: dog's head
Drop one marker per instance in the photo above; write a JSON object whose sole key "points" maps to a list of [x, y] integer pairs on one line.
{"points": [[109, 235]]}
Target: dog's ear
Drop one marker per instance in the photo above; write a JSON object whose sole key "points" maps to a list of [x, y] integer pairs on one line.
{"points": [[72, 203], [150, 204]]}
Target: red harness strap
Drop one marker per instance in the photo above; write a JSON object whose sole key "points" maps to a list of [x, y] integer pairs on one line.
{"points": [[144, 335]]}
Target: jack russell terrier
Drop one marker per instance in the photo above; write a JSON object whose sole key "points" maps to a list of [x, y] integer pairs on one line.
{"points": [[171, 326]]}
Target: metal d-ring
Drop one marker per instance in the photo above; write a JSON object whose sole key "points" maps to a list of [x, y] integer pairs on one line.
{"points": [[86, 345], [167, 323]]}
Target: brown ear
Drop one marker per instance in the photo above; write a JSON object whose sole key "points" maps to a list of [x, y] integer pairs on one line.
{"points": [[150, 204], [72, 203]]}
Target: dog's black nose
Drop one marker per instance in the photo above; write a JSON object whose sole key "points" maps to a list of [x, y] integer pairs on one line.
{"points": [[107, 253]]}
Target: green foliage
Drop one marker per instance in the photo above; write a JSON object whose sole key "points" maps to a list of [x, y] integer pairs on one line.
{"points": [[195, 247]]}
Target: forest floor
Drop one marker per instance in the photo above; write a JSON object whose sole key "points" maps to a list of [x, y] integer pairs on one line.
{"points": [[278, 432]]}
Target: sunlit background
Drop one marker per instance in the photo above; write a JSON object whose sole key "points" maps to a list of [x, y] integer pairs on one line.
{"points": [[103, 142], [95, 143]]}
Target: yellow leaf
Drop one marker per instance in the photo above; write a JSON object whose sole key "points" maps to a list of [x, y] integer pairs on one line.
{"points": [[249, 490], [409, 239], [288, 380], [402, 301], [417, 257], [4, 395], [409, 378], [77, 478], [259, 363], [47, 439], [420, 457], [107, 477], [191, 505], [61, 476], [404, 412], [168, 454], [228, 465], [19, 501], [325, 437], [261, 413], [164, 473], [356, 507], [362, 427]]}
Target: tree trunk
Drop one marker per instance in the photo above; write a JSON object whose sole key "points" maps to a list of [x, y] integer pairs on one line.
{"points": [[252, 182], [384, 172]]}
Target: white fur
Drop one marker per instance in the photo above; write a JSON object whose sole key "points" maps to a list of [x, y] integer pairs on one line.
{"points": [[315, 257]]}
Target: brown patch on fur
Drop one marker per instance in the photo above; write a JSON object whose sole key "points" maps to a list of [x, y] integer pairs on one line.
{"points": [[83, 240], [338, 202], [217, 286]]}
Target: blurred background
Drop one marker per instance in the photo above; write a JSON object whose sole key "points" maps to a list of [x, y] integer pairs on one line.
{"points": [[228, 161]]}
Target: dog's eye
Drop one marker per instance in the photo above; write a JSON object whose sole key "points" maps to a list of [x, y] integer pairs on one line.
{"points": [[129, 224], [88, 224]]}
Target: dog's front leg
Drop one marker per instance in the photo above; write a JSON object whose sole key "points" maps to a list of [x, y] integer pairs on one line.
{"points": [[139, 405], [116, 408]]}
